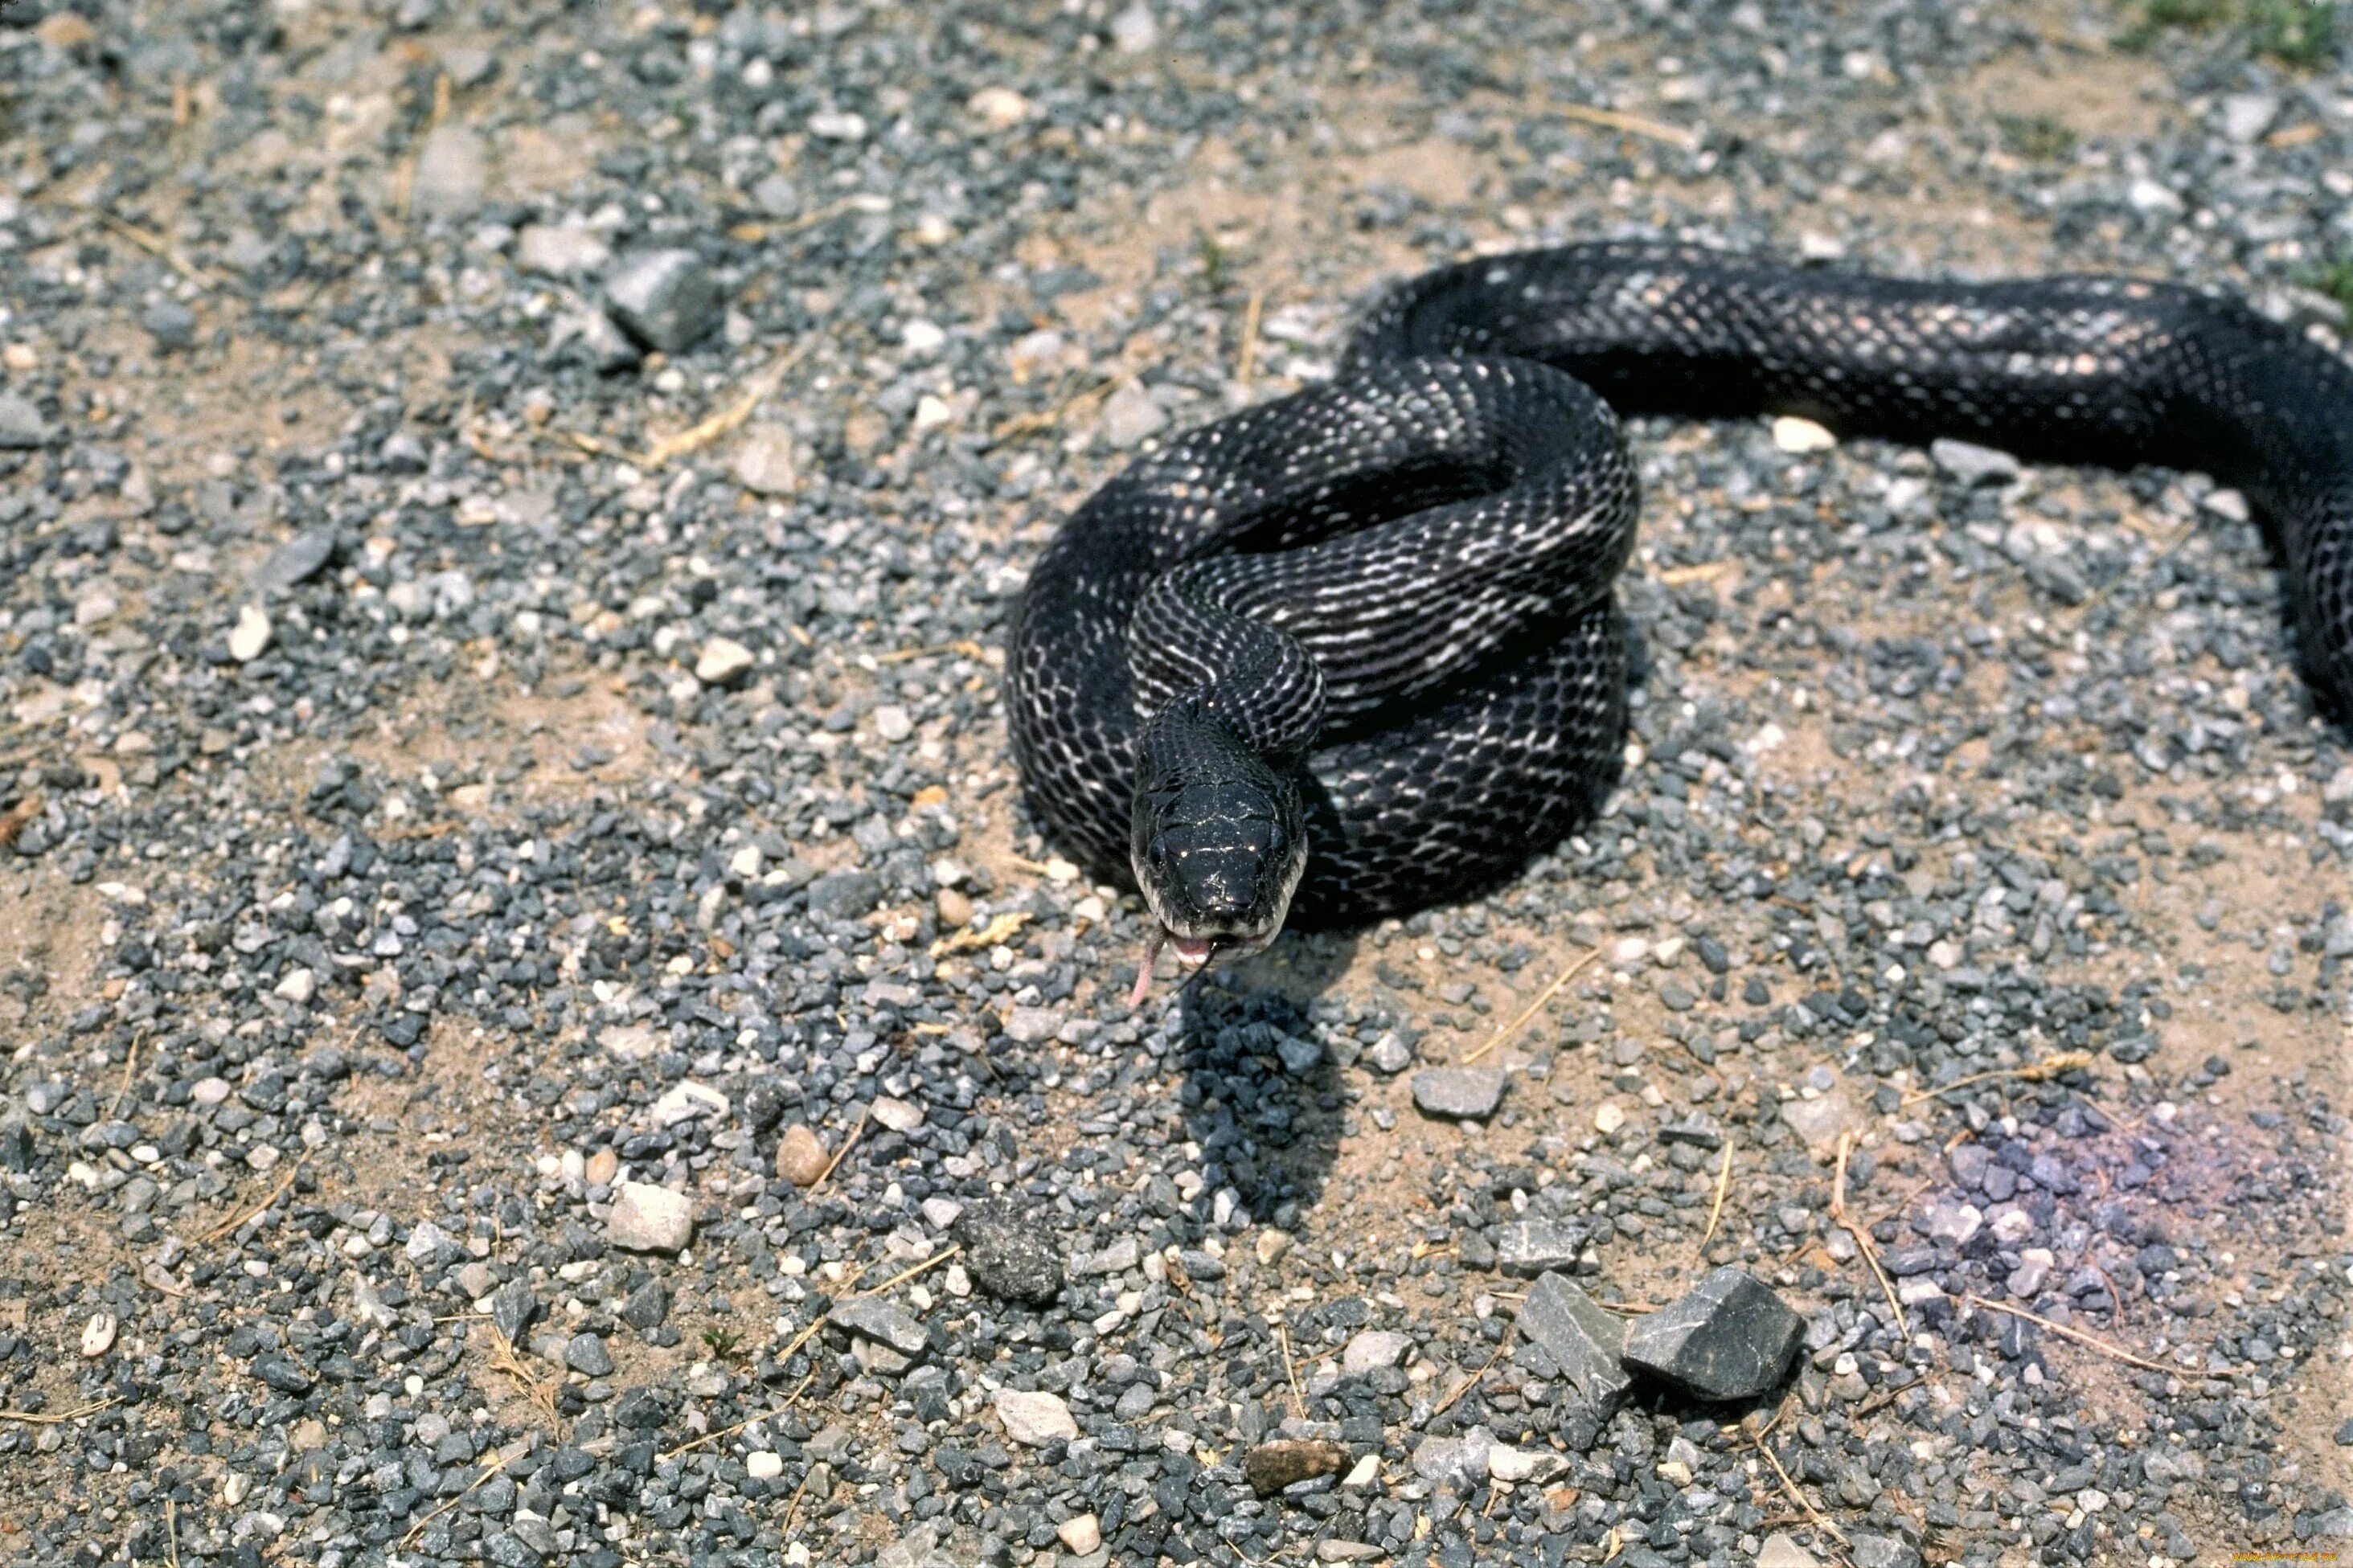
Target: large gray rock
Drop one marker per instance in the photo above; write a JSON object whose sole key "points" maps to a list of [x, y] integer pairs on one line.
{"points": [[1730, 1337], [647, 1218], [296, 561], [22, 428], [1464, 1094], [1009, 1252], [451, 171], [666, 299], [1583, 1344]]}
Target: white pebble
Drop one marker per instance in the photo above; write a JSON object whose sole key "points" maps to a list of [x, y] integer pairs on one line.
{"points": [[1791, 434], [251, 635]]}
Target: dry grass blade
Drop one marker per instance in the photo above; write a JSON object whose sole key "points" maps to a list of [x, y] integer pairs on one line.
{"points": [[1533, 1008], [1722, 1182], [46, 1418], [1634, 124], [989, 935], [229, 1226], [1046, 419], [1862, 1238], [923, 1268], [843, 1153], [2033, 1072], [2092, 1341], [539, 1391]]}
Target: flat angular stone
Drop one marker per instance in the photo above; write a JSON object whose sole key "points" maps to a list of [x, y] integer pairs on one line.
{"points": [[1464, 1094], [1972, 464], [1271, 1466], [1730, 1337], [1586, 1344], [647, 1218], [1528, 1248], [666, 299], [886, 1322], [1373, 1349], [1035, 1420]]}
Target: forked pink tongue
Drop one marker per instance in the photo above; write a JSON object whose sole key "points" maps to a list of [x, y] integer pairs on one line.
{"points": [[1151, 945]]}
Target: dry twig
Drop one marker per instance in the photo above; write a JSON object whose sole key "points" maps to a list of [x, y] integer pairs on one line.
{"points": [[2033, 1072], [2090, 1341], [155, 245], [1486, 1366], [1862, 1238], [1533, 1008], [1291, 1368], [996, 930], [1822, 1521]]}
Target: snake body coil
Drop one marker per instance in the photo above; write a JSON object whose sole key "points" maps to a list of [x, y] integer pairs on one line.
{"points": [[1356, 649]]}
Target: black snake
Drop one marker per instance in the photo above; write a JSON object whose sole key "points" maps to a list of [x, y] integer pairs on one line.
{"points": [[1356, 650]]}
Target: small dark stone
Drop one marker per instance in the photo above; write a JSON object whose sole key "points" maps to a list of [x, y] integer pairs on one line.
{"points": [[844, 894], [282, 1376], [1698, 1128], [1271, 1466], [648, 1306], [1009, 1252], [1729, 1338], [512, 1308]]}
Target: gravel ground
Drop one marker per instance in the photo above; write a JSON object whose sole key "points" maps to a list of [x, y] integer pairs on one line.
{"points": [[535, 1028]]}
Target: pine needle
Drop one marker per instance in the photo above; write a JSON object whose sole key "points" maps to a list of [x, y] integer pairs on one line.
{"points": [[2033, 1072], [1530, 1011]]}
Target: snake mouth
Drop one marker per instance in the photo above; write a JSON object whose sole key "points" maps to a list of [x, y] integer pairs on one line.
{"points": [[1194, 954]]}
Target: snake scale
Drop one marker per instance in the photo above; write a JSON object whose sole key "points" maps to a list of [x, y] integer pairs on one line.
{"points": [[1356, 650]]}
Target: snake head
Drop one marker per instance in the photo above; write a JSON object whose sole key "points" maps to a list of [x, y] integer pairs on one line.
{"points": [[1218, 842]]}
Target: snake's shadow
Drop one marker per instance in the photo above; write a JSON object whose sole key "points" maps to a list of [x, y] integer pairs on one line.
{"points": [[1260, 1095]]}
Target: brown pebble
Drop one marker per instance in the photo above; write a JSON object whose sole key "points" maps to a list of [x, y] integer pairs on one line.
{"points": [[1271, 1466], [602, 1166], [800, 1157], [955, 910]]}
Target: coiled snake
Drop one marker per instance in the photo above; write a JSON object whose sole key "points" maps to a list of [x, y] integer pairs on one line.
{"points": [[1356, 650]]}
